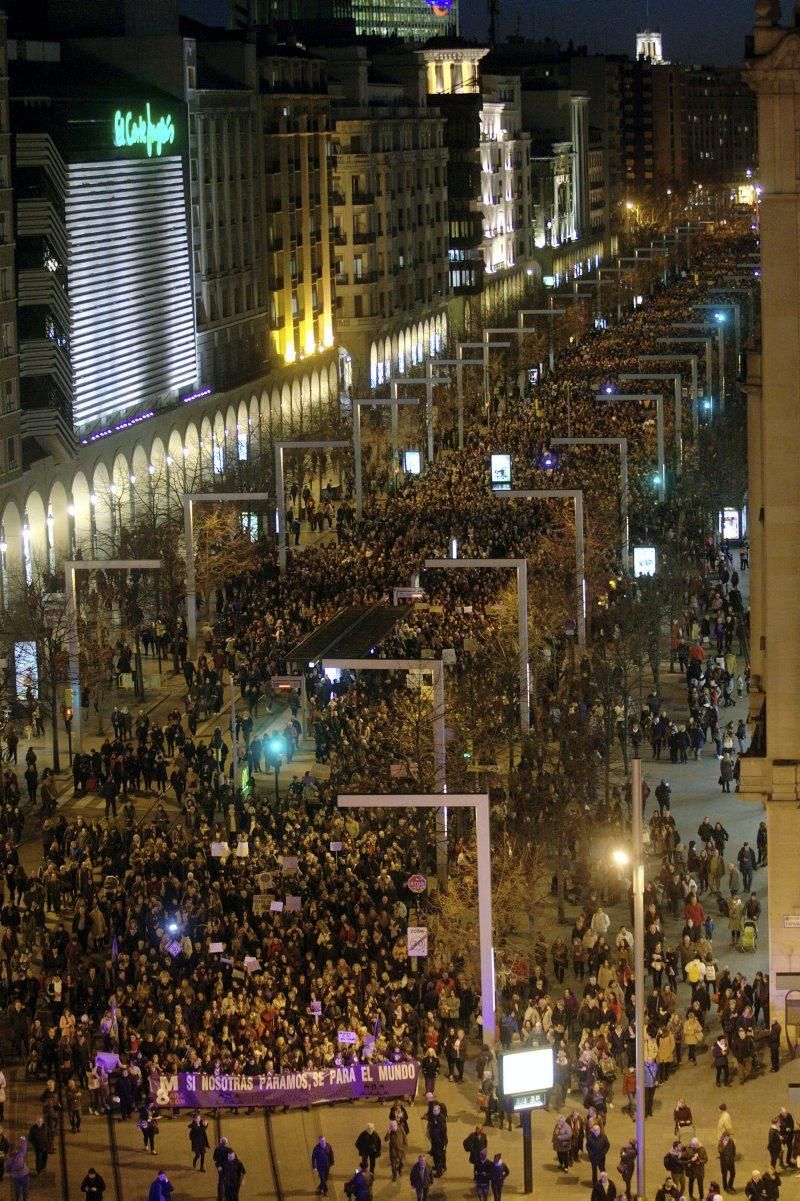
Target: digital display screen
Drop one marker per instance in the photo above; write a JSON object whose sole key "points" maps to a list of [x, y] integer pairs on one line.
{"points": [[524, 1072], [501, 471], [730, 525], [644, 561], [412, 462]]}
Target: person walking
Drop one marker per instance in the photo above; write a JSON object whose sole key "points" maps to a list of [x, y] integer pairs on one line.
{"points": [[604, 1190], [747, 864], [726, 1149], [627, 1165], [696, 1167], [474, 1143], [774, 1144], [321, 1163], [93, 1185], [482, 1173], [161, 1189], [359, 1186], [18, 1170], [198, 1141], [421, 1178], [720, 1052], [39, 1140], [597, 1146], [220, 1158], [368, 1145], [233, 1173], [774, 1044], [562, 1143], [500, 1172], [148, 1124], [396, 1138]]}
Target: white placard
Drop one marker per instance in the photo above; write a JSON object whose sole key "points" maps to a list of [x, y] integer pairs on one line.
{"points": [[417, 940]]}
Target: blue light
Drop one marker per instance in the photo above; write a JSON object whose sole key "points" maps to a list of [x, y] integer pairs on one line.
{"points": [[609, 390], [721, 318], [656, 478], [548, 461], [708, 405]]}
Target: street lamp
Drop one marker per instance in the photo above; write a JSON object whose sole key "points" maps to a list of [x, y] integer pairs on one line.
{"points": [[550, 312], [275, 751], [622, 859], [280, 500], [692, 359], [706, 327], [460, 363]]}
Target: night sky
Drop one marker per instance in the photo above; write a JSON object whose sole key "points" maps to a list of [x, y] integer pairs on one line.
{"points": [[693, 31]]}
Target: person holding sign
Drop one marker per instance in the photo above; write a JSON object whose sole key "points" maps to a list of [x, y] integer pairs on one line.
{"points": [[321, 1163]]}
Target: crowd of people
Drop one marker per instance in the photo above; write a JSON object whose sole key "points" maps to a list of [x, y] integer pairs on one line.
{"points": [[234, 938]]}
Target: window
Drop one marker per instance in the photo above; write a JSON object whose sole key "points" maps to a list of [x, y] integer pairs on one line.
{"points": [[11, 453], [9, 396], [218, 459], [8, 338], [241, 445]]}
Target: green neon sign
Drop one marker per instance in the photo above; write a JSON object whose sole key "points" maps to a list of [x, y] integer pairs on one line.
{"points": [[142, 130]]}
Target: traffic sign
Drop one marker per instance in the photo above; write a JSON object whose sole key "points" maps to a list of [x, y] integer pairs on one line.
{"points": [[417, 937], [417, 882]]}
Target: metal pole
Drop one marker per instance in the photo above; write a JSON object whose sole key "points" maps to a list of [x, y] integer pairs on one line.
{"points": [[623, 504], [191, 591], [73, 650], [580, 568], [722, 380], [662, 460], [440, 767], [357, 454], [234, 740], [393, 394], [638, 963], [280, 509], [485, 335], [524, 669], [429, 406], [678, 383], [484, 840], [460, 392]]}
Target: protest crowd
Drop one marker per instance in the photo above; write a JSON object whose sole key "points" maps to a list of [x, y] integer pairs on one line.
{"points": [[201, 928]]}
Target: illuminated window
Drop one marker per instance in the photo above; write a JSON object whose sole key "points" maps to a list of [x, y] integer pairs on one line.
{"points": [[218, 459]]}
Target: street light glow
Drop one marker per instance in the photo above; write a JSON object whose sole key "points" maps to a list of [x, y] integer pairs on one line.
{"points": [[621, 858]]}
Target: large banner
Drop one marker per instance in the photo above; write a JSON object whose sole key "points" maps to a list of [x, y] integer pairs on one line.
{"points": [[197, 1090]]}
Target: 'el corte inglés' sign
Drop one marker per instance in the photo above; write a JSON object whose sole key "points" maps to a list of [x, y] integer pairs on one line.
{"points": [[143, 129]]}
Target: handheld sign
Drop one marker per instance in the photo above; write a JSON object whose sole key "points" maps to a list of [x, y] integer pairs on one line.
{"points": [[347, 1037], [417, 937]]}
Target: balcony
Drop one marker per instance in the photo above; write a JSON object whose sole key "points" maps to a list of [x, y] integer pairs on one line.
{"points": [[337, 198], [363, 198], [37, 286], [43, 356], [339, 238], [276, 283], [363, 237], [342, 277]]}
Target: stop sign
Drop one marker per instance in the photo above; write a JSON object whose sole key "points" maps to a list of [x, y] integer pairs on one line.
{"points": [[417, 883]]}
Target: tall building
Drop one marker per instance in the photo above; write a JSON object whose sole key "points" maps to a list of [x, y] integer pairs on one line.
{"points": [[10, 429], [770, 770], [653, 125], [408, 20], [648, 45], [106, 317], [721, 125], [505, 175], [389, 197]]}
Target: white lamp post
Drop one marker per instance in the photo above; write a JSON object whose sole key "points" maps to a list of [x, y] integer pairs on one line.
{"points": [[658, 397], [393, 401], [692, 360]]}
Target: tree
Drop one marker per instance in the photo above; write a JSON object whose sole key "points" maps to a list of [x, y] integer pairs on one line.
{"points": [[222, 549], [38, 614], [519, 883]]}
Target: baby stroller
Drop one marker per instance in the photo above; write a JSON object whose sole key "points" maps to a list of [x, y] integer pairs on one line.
{"points": [[748, 940]]}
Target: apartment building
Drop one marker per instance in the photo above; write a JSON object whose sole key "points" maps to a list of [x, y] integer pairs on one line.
{"points": [[10, 431], [388, 171]]}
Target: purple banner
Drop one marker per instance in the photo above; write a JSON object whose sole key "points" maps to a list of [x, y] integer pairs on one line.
{"points": [[198, 1090]]}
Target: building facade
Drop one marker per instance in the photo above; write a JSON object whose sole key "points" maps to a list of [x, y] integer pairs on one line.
{"points": [[721, 125], [389, 198], [10, 419], [770, 770]]}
